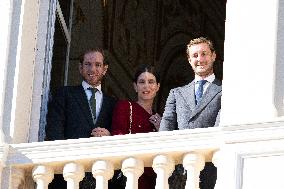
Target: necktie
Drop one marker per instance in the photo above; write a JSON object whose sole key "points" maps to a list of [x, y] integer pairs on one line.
{"points": [[92, 102], [199, 91]]}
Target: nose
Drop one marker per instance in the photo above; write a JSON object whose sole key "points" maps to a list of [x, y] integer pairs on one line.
{"points": [[146, 85], [200, 58], [92, 67]]}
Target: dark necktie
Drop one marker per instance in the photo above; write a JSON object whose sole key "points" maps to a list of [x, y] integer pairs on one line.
{"points": [[92, 102], [199, 91]]}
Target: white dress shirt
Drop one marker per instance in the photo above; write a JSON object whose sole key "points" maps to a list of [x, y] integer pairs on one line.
{"points": [[209, 80], [99, 96]]}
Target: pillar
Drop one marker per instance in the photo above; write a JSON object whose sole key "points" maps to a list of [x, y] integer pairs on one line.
{"points": [[42, 175], [163, 167], [193, 164], [102, 171], [132, 168], [73, 173]]}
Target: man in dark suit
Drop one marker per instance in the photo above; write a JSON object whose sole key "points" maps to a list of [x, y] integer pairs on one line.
{"points": [[198, 104], [81, 111]]}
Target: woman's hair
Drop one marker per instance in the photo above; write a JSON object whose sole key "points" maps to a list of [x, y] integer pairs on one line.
{"points": [[146, 68]]}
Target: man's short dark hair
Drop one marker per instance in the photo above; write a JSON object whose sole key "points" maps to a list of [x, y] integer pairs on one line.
{"points": [[96, 49]]}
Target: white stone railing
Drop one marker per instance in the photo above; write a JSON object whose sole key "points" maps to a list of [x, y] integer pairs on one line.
{"points": [[234, 150], [101, 156]]}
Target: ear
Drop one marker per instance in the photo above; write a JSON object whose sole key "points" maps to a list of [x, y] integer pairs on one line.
{"points": [[80, 67], [105, 69], [214, 56], [158, 87], [135, 87], [188, 58]]}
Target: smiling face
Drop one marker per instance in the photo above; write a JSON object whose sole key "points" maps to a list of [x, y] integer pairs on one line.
{"points": [[93, 68], [201, 59], [146, 86]]}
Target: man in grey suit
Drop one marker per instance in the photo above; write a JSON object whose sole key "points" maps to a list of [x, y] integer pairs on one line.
{"points": [[198, 104]]}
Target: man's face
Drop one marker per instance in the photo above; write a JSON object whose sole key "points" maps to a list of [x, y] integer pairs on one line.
{"points": [[201, 59], [93, 69]]}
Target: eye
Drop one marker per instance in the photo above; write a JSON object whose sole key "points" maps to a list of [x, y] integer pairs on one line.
{"points": [[195, 55], [152, 81], [141, 81], [98, 65], [86, 63]]}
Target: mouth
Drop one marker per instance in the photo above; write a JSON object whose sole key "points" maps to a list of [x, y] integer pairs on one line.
{"points": [[200, 66], [91, 75], [145, 92]]}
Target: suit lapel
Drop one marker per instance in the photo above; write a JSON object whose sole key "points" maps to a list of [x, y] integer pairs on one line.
{"points": [[209, 94], [81, 98], [188, 94]]}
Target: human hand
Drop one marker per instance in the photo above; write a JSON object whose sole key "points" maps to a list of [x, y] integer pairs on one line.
{"points": [[98, 132], [156, 120]]}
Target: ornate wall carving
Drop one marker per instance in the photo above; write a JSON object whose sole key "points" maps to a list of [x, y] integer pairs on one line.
{"points": [[154, 32]]}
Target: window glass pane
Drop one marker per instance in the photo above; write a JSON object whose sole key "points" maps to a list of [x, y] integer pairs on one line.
{"points": [[59, 58]]}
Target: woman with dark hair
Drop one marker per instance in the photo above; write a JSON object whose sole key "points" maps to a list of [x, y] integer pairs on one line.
{"points": [[139, 117]]}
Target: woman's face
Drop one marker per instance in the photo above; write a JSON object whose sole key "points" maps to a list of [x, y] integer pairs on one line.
{"points": [[146, 86]]}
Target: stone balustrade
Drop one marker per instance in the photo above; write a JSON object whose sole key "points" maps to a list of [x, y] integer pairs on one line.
{"points": [[101, 156], [227, 147]]}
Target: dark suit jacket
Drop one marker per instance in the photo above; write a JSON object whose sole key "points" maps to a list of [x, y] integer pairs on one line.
{"points": [[69, 115], [182, 113]]}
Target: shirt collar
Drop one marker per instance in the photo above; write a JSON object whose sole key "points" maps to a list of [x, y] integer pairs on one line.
{"points": [[87, 85], [209, 78]]}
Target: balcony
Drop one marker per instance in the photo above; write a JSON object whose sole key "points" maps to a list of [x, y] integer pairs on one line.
{"points": [[229, 148]]}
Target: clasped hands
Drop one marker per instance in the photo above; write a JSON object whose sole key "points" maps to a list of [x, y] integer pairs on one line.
{"points": [[155, 120], [99, 132]]}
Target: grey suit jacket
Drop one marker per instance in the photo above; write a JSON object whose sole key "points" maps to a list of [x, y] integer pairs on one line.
{"points": [[182, 113]]}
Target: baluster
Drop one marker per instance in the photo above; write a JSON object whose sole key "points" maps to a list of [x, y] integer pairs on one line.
{"points": [[73, 173], [18, 176], [193, 163], [163, 167], [102, 171], [42, 175], [132, 168]]}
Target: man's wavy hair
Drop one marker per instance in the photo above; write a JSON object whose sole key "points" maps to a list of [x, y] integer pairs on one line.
{"points": [[198, 41]]}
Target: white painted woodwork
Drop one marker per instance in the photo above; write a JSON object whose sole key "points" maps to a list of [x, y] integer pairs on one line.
{"points": [[193, 163], [102, 171], [73, 173], [253, 63], [132, 168], [42, 175], [5, 29], [163, 166]]}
